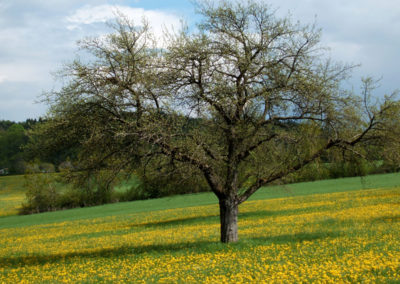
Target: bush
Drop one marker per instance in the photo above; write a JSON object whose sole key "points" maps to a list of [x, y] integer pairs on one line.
{"points": [[41, 194], [312, 172], [340, 169], [168, 180], [38, 167], [359, 167], [45, 192], [71, 198], [133, 192]]}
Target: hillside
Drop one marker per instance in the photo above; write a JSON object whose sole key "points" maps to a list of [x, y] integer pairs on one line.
{"points": [[304, 232], [12, 193]]}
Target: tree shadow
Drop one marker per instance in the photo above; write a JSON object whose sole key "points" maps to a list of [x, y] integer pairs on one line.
{"points": [[285, 212], [387, 219], [296, 238], [178, 221], [199, 246], [18, 261], [211, 218]]}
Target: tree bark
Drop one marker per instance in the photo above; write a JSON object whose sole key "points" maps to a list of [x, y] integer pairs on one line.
{"points": [[228, 216]]}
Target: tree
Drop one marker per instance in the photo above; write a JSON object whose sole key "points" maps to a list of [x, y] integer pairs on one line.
{"points": [[13, 138], [11, 142], [245, 100]]}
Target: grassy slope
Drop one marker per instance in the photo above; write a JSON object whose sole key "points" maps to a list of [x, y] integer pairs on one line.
{"points": [[12, 194], [307, 188], [339, 237]]}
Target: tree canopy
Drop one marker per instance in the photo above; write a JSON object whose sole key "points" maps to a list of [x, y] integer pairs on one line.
{"points": [[244, 100], [11, 141]]}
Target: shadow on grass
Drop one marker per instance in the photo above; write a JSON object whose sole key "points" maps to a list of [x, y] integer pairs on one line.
{"points": [[212, 218], [286, 212], [157, 249], [179, 221], [18, 261], [295, 238], [387, 219]]}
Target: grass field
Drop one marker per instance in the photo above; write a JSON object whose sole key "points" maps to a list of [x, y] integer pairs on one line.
{"points": [[12, 194], [328, 231]]}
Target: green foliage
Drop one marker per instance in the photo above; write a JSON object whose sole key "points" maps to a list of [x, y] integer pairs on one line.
{"points": [[5, 124], [360, 167], [312, 172], [41, 194], [11, 142], [48, 192], [164, 177], [37, 166], [71, 198], [13, 138], [334, 169], [46, 143], [133, 192]]}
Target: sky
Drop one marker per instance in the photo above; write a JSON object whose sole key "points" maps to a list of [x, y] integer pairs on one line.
{"points": [[38, 37]]}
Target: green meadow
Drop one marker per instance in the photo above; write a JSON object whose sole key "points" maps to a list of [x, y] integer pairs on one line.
{"points": [[12, 194], [343, 230]]}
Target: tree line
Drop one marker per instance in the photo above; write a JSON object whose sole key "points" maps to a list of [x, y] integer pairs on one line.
{"points": [[30, 146], [13, 139]]}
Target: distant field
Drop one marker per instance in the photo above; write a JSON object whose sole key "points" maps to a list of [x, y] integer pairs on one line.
{"points": [[299, 233], [12, 192]]}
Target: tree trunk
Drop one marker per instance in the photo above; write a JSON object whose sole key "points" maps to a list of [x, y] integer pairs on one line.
{"points": [[228, 209]]}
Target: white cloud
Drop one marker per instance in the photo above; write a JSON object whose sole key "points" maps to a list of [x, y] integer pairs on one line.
{"points": [[344, 51], [17, 101], [3, 78], [88, 15], [38, 36], [365, 32], [24, 71]]}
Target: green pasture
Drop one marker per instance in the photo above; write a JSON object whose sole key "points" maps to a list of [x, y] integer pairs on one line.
{"points": [[333, 231], [12, 194]]}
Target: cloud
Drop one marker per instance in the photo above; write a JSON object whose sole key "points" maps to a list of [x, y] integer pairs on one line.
{"points": [[88, 15], [2, 78], [356, 20], [17, 101], [365, 32], [38, 36], [30, 71]]}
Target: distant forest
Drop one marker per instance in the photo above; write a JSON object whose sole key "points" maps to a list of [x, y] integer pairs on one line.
{"points": [[22, 151], [13, 139]]}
